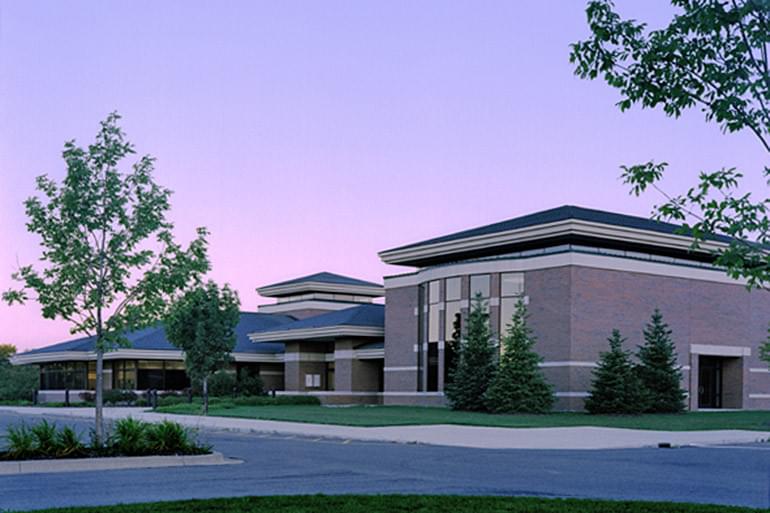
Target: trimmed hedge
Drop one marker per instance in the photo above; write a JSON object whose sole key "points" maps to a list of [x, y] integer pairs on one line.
{"points": [[278, 400]]}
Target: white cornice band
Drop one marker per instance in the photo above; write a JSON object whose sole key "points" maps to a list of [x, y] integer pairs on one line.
{"points": [[715, 350], [131, 354], [316, 333], [315, 286], [568, 258]]}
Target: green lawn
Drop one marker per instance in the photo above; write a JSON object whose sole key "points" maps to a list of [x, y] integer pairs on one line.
{"points": [[413, 415], [404, 503]]}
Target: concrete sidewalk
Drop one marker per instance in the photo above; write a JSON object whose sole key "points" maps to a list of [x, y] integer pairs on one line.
{"points": [[446, 435]]}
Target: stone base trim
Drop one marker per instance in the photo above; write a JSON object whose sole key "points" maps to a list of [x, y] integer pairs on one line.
{"points": [[120, 463]]}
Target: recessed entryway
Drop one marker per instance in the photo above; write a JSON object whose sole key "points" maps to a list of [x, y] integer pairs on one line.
{"points": [[720, 382]]}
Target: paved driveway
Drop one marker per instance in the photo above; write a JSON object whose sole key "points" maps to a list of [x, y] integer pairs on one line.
{"points": [[288, 465]]}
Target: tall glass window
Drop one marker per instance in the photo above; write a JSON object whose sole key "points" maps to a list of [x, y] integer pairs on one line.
{"points": [[124, 375], [480, 284], [511, 290], [453, 289], [453, 333], [150, 374], [434, 311]]}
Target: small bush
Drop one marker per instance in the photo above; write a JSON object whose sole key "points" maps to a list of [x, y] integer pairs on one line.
{"points": [[46, 442], [129, 437], [250, 384], [120, 397], [69, 444], [222, 384], [113, 397], [169, 438], [171, 400], [21, 442], [87, 397]]}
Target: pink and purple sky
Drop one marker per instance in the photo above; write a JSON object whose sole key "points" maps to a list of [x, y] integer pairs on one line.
{"points": [[308, 136]]}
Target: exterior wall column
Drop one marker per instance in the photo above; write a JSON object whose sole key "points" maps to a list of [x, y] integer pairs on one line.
{"points": [[694, 375], [291, 367], [298, 362], [343, 366], [401, 340]]}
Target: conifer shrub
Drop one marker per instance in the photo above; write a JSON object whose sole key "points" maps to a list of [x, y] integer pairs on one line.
{"points": [[658, 370], [474, 363], [519, 385], [616, 387]]}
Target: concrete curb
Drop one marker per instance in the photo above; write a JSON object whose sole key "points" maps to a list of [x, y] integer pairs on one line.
{"points": [[119, 463]]}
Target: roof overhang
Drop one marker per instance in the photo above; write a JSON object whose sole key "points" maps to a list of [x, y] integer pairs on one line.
{"points": [[415, 255], [327, 332], [291, 289], [129, 354]]}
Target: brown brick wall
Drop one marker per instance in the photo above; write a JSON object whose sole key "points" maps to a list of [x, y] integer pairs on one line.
{"points": [[400, 337]]}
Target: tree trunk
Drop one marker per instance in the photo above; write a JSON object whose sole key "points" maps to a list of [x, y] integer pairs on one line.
{"points": [[99, 427], [205, 395]]}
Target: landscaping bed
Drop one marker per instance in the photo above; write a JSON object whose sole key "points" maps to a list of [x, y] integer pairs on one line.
{"points": [[379, 416], [128, 437], [404, 503]]}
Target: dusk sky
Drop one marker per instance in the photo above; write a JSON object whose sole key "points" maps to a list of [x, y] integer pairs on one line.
{"points": [[308, 136]]}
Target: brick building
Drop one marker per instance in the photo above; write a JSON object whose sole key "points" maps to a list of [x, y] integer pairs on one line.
{"points": [[582, 272]]}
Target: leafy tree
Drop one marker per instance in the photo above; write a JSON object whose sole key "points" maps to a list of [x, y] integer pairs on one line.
{"points": [[519, 385], [658, 370], [110, 262], [713, 56], [616, 388], [6, 351], [475, 366], [202, 324], [18, 382]]}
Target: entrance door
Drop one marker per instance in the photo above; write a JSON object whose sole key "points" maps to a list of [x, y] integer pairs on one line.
{"points": [[710, 382]]}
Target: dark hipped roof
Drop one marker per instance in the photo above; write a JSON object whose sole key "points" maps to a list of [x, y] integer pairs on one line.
{"points": [[326, 277], [154, 338], [366, 315], [554, 215]]}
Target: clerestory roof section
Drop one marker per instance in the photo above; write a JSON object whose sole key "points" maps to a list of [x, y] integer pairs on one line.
{"points": [[549, 227], [366, 320], [324, 282]]}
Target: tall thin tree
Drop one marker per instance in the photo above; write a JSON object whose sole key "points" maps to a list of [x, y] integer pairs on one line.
{"points": [[110, 263]]}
